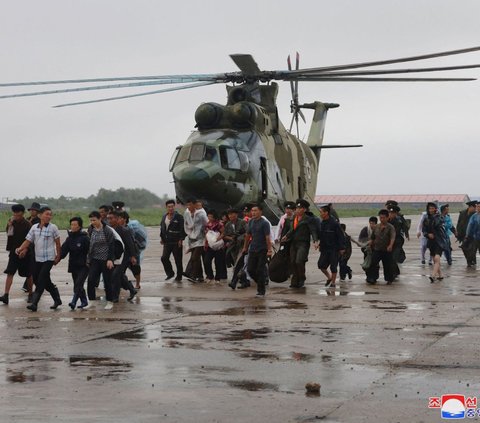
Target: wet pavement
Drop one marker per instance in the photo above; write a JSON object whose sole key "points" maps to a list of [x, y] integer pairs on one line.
{"points": [[204, 353]]}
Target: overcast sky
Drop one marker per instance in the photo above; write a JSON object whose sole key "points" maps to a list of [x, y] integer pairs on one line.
{"points": [[418, 137]]}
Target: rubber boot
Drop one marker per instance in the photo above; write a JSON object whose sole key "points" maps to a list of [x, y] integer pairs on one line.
{"points": [[73, 303], [57, 301], [132, 290], [4, 299], [35, 300], [83, 300]]}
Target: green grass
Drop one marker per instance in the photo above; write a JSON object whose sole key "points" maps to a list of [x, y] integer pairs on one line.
{"points": [[153, 216], [148, 217]]}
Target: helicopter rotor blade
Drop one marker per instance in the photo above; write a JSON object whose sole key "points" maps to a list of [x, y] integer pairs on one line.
{"points": [[246, 63], [302, 116], [103, 87], [388, 62], [360, 79], [292, 86], [112, 79], [291, 123], [391, 71], [183, 87], [340, 146]]}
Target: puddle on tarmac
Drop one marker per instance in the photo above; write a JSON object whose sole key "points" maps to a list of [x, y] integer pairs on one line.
{"points": [[147, 333], [95, 361], [332, 293], [254, 309], [20, 377], [253, 385], [100, 367], [243, 334]]}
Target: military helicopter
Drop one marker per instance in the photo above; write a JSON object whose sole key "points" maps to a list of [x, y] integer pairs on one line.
{"points": [[241, 152]]}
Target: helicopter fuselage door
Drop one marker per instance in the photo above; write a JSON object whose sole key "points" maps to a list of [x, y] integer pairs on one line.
{"points": [[264, 177]]}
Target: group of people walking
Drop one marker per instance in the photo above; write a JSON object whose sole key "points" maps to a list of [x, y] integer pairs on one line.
{"points": [[106, 250], [241, 240]]}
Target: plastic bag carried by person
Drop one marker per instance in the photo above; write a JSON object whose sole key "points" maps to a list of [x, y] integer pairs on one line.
{"points": [[213, 242]]}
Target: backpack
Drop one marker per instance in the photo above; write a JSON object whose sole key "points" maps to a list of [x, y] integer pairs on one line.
{"points": [[139, 234]]}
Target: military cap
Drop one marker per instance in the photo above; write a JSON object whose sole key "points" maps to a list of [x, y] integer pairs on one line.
{"points": [[289, 205], [248, 207], [118, 205], [391, 203], [472, 203], [303, 204], [18, 208], [35, 206], [393, 208]]}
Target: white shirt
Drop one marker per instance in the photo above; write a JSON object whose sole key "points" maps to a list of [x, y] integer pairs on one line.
{"points": [[44, 241]]}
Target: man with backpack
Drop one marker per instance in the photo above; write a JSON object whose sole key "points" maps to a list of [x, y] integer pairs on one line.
{"points": [[141, 240]]}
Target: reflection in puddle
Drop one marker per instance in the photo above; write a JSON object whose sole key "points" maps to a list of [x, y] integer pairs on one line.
{"points": [[100, 366], [253, 385], [240, 335], [20, 377]]}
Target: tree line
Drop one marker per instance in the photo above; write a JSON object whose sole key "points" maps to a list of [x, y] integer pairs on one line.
{"points": [[135, 198]]}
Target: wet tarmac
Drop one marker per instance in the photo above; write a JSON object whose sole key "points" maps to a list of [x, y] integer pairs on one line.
{"points": [[204, 353]]}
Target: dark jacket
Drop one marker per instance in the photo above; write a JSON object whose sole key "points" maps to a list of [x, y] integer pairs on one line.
{"points": [[463, 219], [330, 235], [434, 224], [76, 245], [20, 231], [305, 230], [175, 231], [130, 248]]}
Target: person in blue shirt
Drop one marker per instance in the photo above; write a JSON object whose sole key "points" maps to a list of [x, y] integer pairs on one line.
{"points": [[449, 229]]}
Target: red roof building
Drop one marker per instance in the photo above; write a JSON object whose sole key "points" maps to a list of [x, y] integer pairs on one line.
{"points": [[417, 200]]}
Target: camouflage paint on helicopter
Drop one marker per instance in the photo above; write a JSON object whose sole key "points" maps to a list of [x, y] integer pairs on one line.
{"points": [[242, 153]]}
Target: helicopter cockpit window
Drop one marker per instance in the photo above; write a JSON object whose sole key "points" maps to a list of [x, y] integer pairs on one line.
{"points": [[184, 154], [211, 154], [174, 157], [229, 158], [196, 153]]}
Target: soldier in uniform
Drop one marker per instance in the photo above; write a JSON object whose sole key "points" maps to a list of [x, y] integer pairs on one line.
{"points": [[234, 234], [398, 254], [302, 229], [462, 223]]}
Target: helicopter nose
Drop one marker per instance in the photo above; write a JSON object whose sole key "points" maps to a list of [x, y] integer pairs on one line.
{"points": [[192, 181]]}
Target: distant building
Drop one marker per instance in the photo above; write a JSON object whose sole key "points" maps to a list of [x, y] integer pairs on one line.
{"points": [[378, 201]]}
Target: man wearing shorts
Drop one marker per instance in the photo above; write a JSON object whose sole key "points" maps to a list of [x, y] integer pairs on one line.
{"points": [[17, 229]]}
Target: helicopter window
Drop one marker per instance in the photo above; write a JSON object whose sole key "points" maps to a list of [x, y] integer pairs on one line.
{"points": [[174, 158], [211, 154], [197, 152], [278, 139], [229, 158], [184, 153]]}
